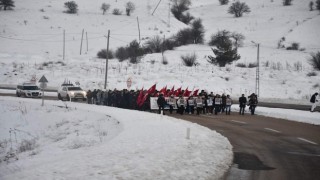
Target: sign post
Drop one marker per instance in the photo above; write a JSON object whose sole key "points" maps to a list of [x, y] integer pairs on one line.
{"points": [[129, 83], [43, 84]]}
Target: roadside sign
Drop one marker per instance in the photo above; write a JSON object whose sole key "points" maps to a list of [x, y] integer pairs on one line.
{"points": [[129, 82], [43, 79], [43, 84]]}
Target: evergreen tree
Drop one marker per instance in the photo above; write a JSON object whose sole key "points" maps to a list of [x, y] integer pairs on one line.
{"points": [[224, 52], [134, 51], [6, 4], [197, 31]]}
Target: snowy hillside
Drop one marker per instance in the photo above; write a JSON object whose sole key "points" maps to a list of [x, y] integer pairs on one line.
{"points": [[32, 44]]}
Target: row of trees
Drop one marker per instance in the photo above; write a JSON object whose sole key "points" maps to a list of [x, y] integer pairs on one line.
{"points": [[225, 42], [72, 8], [180, 6]]}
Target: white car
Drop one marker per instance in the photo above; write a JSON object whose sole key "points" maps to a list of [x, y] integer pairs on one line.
{"points": [[28, 90], [71, 92]]}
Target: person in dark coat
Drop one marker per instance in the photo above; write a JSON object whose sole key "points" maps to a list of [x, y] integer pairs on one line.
{"points": [[161, 103], [223, 105], [242, 104], [253, 101], [89, 97], [314, 100]]}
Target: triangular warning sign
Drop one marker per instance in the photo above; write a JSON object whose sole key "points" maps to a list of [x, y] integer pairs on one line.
{"points": [[43, 79]]}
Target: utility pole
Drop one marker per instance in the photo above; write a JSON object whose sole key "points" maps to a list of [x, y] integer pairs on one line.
{"points": [[169, 16], [64, 43], [87, 40], [257, 91], [81, 41], [106, 76], [138, 28], [258, 72]]}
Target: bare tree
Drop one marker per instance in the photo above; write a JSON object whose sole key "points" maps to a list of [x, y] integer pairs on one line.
{"points": [[238, 9], [130, 7], [71, 6], [105, 7], [238, 39]]}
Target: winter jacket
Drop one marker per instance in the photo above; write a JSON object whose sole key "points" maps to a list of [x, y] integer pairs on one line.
{"points": [[242, 101], [313, 98], [161, 101]]}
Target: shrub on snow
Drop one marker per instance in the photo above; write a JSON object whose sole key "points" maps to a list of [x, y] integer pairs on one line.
{"points": [[103, 54], [287, 2], [116, 11], [72, 7], [189, 59], [121, 54], [224, 2], [315, 61], [6, 4]]}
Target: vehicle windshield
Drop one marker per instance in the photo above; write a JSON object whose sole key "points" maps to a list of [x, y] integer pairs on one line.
{"points": [[30, 88], [74, 89]]}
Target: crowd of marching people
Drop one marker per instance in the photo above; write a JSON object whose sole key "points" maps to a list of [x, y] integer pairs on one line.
{"points": [[180, 101]]}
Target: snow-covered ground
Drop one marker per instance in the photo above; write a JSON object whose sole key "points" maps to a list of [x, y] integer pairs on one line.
{"points": [[96, 142], [63, 140]]}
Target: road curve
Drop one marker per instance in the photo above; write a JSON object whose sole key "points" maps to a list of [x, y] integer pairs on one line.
{"points": [[266, 148]]}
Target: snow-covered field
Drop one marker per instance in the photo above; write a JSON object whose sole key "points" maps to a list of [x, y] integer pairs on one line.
{"points": [[97, 142], [32, 44]]}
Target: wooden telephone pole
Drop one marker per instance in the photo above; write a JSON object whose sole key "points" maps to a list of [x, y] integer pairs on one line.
{"points": [[106, 75]]}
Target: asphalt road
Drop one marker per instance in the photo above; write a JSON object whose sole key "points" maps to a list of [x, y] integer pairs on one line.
{"points": [[266, 148]]}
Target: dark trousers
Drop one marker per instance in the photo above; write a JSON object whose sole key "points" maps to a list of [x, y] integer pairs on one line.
{"points": [[181, 110], [252, 109], [228, 109], [161, 108], [198, 110], [191, 109], [171, 109], [217, 109], [242, 109]]}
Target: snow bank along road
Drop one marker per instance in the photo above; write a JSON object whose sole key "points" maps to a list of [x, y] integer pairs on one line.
{"points": [[267, 148]]}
